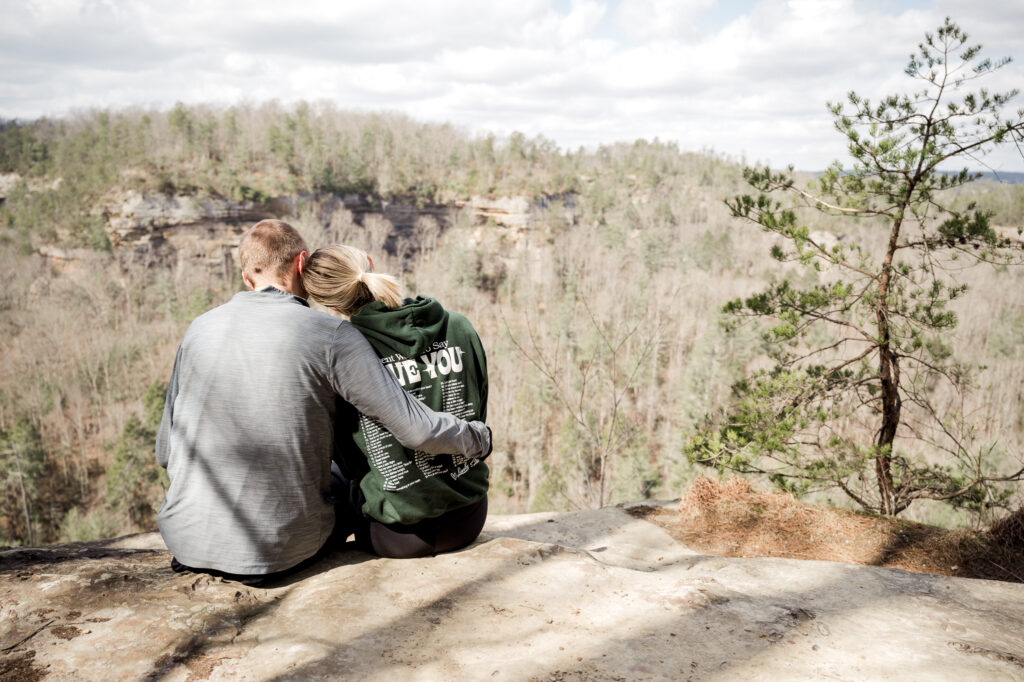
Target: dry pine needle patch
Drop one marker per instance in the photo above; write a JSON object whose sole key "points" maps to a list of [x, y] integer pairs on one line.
{"points": [[731, 518]]}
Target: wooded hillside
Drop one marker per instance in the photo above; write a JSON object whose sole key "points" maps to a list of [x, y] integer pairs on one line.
{"points": [[599, 306]]}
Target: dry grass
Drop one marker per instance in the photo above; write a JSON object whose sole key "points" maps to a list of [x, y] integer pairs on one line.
{"points": [[731, 518]]}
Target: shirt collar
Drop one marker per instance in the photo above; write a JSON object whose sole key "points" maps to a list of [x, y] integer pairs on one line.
{"points": [[272, 292]]}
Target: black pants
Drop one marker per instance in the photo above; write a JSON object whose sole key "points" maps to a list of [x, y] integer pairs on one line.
{"points": [[450, 531]]}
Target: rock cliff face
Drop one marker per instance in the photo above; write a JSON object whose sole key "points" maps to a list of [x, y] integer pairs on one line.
{"points": [[597, 595], [158, 229]]}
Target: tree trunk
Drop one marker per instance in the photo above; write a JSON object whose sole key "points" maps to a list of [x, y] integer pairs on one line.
{"points": [[24, 503], [889, 373], [889, 376]]}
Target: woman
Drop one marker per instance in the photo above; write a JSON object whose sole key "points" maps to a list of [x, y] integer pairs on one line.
{"points": [[414, 504]]}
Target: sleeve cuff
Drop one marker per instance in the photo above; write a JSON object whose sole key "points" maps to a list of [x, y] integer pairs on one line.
{"points": [[490, 442]]}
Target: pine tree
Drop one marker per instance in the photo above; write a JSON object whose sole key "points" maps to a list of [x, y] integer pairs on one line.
{"points": [[860, 341]]}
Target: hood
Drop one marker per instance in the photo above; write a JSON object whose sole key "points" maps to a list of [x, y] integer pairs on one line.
{"points": [[409, 330]]}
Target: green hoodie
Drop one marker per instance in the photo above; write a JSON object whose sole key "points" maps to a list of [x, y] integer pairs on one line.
{"points": [[436, 355]]}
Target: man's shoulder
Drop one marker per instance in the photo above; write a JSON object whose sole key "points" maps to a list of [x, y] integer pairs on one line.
{"points": [[210, 317], [244, 310]]}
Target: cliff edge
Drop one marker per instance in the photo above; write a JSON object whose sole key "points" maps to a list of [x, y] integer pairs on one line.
{"points": [[593, 595]]}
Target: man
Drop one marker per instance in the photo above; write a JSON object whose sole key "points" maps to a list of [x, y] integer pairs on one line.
{"points": [[246, 435]]}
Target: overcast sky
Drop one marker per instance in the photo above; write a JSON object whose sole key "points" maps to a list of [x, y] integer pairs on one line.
{"points": [[745, 78]]}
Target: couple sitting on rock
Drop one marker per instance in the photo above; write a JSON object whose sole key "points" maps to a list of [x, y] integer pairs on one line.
{"points": [[286, 429]]}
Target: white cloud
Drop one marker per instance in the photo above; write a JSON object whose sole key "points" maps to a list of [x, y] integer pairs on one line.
{"points": [[581, 20], [578, 72], [660, 19]]}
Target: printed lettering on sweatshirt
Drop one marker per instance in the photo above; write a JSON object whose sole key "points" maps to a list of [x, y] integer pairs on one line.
{"points": [[442, 363]]}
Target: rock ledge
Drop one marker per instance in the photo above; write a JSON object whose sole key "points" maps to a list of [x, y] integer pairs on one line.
{"points": [[595, 595]]}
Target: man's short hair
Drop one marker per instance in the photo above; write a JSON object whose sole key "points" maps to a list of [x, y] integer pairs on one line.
{"points": [[269, 247]]}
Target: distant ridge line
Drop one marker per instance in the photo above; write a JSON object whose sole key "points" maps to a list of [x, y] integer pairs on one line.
{"points": [[1012, 178], [1009, 177]]}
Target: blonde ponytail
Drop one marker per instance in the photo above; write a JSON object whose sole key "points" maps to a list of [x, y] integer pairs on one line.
{"points": [[342, 277], [383, 288]]}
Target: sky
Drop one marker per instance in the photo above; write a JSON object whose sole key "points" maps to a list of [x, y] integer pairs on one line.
{"points": [[747, 79]]}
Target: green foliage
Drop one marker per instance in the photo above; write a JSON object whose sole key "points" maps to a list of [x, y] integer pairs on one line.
{"points": [[198, 303], [1004, 201], [135, 483], [153, 405], [1007, 335], [254, 153], [21, 466], [96, 524], [258, 152], [861, 343]]}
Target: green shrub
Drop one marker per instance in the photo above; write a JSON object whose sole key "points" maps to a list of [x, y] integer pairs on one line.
{"points": [[96, 524]]}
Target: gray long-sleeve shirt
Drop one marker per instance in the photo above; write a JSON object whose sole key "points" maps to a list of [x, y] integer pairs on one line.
{"points": [[247, 430]]}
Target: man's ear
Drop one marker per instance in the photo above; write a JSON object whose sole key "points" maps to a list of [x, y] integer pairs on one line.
{"points": [[248, 283], [371, 262], [300, 262]]}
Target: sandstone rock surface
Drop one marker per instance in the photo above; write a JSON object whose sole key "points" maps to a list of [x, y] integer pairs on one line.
{"points": [[596, 595]]}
